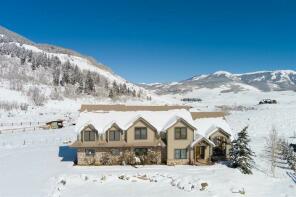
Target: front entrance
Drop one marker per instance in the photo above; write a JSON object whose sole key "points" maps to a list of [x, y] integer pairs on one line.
{"points": [[219, 151], [200, 152]]}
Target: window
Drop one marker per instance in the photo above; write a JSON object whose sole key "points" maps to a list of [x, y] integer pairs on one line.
{"points": [[115, 151], [114, 135], [89, 135], [220, 142], [180, 153], [90, 152], [180, 133], [140, 151], [220, 148], [140, 133]]}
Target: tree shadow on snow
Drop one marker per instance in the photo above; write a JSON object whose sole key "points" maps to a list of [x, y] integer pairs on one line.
{"points": [[223, 162], [67, 153], [292, 176]]}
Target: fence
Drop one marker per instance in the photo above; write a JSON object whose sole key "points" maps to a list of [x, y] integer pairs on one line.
{"points": [[26, 126], [7, 124]]}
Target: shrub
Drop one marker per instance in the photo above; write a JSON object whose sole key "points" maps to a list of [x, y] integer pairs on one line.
{"points": [[106, 159], [152, 157], [24, 106], [128, 158], [56, 95], [36, 96], [90, 160], [8, 106]]}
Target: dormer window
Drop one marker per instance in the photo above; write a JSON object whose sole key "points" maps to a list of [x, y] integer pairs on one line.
{"points": [[114, 135], [89, 135], [140, 133], [180, 133]]}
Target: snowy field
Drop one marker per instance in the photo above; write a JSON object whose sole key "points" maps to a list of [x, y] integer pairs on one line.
{"points": [[38, 163]]}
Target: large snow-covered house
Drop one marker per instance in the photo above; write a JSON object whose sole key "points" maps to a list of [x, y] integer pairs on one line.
{"points": [[174, 134]]}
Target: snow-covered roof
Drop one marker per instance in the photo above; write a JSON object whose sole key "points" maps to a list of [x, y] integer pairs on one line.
{"points": [[160, 120], [207, 126], [199, 138]]}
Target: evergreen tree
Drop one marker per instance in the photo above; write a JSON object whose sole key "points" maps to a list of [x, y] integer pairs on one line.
{"points": [[80, 87], [66, 70], [56, 77], [241, 154], [111, 94], [106, 85], [89, 83], [115, 89], [134, 93], [97, 79], [76, 76], [65, 78]]}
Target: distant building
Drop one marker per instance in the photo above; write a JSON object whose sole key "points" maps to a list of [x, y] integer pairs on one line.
{"points": [[55, 124], [173, 133]]}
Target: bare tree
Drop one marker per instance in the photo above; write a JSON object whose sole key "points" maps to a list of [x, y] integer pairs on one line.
{"points": [[272, 149], [36, 96]]}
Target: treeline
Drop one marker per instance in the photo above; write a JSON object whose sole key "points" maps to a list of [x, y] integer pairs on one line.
{"points": [[67, 75], [191, 99]]}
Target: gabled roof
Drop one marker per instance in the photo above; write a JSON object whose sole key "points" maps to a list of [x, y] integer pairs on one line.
{"points": [[159, 120], [175, 119], [207, 126], [199, 139], [139, 118]]}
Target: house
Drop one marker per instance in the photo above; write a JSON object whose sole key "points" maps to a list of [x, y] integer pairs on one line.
{"points": [[55, 124], [173, 133]]}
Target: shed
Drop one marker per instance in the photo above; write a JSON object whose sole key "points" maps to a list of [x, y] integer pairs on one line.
{"points": [[55, 124]]}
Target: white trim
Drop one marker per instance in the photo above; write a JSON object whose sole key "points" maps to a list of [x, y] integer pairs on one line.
{"points": [[199, 139]]}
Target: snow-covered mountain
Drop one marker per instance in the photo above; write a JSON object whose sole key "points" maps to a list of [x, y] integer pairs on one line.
{"points": [[57, 72], [279, 80]]}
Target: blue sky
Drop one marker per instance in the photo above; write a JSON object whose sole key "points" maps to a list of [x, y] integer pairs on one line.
{"points": [[159, 41]]}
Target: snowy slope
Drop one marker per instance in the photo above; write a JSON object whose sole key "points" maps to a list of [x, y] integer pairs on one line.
{"points": [[279, 80], [83, 62], [25, 65]]}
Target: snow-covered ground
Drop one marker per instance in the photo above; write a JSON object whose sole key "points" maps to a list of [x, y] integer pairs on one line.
{"points": [[39, 163]]}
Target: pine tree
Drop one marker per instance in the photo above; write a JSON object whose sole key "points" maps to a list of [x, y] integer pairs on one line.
{"points": [[106, 85], [56, 77], [291, 157], [241, 154], [89, 83], [115, 89], [80, 87], [134, 93], [66, 69], [76, 76], [65, 78], [111, 94]]}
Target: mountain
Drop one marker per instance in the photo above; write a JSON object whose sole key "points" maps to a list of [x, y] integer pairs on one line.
{"points": [[279, 80], [57, 72]]}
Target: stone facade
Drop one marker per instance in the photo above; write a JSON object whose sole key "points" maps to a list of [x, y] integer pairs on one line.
{"points": [[112, 156]]}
